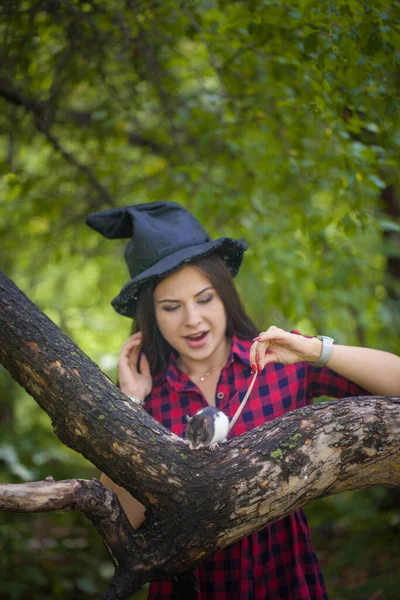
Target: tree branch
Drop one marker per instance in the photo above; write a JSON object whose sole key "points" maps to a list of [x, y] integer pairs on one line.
{"points": [[197, 502], [101, 506]]}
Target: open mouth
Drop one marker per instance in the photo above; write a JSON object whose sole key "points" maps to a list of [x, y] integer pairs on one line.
{"points": [[196, 337]]}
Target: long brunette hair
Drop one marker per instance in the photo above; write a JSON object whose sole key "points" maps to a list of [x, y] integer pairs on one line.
{"points": [[239, 323]]}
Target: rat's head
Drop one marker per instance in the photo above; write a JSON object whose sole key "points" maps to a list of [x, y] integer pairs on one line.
{"points": [[200, 431]]}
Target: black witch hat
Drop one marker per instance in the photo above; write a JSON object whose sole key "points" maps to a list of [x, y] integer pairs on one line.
{"points": [[163, 236]]}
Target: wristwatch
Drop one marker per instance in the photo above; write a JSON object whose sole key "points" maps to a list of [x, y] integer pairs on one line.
{"points": [[326, 352]]}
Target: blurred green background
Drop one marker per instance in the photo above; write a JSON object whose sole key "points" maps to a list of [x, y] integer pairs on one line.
{"points": [[273, 121]]}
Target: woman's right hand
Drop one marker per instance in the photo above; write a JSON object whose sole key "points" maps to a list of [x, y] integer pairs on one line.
{"points": [[133, 383]]}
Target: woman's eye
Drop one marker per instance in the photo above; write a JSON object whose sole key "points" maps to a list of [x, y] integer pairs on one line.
{"points": [[205, 300], [170, 308]]}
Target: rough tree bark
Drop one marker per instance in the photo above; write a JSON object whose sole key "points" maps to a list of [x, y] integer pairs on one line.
{"points": [[197, 502]]}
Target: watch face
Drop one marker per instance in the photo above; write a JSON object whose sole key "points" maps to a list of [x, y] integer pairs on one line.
{"points": [[325, 337]]}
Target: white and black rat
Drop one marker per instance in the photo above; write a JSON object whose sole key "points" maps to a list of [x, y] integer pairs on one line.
{"points": [[209, 427]]}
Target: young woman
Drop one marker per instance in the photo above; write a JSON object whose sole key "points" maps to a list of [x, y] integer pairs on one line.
{"points": [[194, 347]]}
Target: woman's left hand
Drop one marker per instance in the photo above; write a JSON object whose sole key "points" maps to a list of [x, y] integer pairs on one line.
{"points": [[278, 345]]}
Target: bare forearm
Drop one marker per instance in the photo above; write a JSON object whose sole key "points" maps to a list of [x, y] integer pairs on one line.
{"points": [[375, 370]]}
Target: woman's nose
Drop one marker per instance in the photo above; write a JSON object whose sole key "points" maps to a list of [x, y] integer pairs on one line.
{"points": [[193, 316]]}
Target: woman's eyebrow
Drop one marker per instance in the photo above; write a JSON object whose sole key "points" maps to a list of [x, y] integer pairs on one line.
{"points": [[210, 287]]}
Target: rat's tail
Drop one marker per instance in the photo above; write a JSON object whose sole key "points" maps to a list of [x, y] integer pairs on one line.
{"points": [[243, 402]]}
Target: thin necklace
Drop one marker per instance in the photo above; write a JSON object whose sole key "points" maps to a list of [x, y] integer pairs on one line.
{"points": [[203, 377]]}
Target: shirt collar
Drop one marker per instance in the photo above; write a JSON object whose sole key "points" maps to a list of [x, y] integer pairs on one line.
{"points": [[176, 378], [241, 348]]}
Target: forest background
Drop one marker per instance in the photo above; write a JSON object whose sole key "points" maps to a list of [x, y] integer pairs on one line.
{"points": [[277, 122]]}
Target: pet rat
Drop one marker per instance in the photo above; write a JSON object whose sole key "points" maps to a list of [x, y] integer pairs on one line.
{"points": [[210, 426], [207, 428]]}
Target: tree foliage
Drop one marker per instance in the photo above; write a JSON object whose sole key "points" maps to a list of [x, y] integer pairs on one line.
{"points": [[274, 122]]}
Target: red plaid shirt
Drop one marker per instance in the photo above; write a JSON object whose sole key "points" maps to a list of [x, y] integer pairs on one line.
{"points": [[278, 562]]}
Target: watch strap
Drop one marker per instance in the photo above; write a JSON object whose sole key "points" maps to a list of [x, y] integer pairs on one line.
{"points": [[326, 352]]}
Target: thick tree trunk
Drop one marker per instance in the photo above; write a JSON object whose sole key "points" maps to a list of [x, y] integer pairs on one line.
{"points": [[197, 501]]}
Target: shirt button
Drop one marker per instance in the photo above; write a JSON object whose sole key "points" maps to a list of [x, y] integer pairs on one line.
{"points": [[220, 395]]}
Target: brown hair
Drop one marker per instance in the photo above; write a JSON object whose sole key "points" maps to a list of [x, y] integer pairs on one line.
{"points": [[239, 323]]}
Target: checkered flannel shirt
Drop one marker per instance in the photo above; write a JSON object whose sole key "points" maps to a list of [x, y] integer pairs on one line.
{"points": [[278, 562]]}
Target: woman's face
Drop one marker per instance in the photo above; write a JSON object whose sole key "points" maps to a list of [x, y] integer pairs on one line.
{"points": [[190, 314]]}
